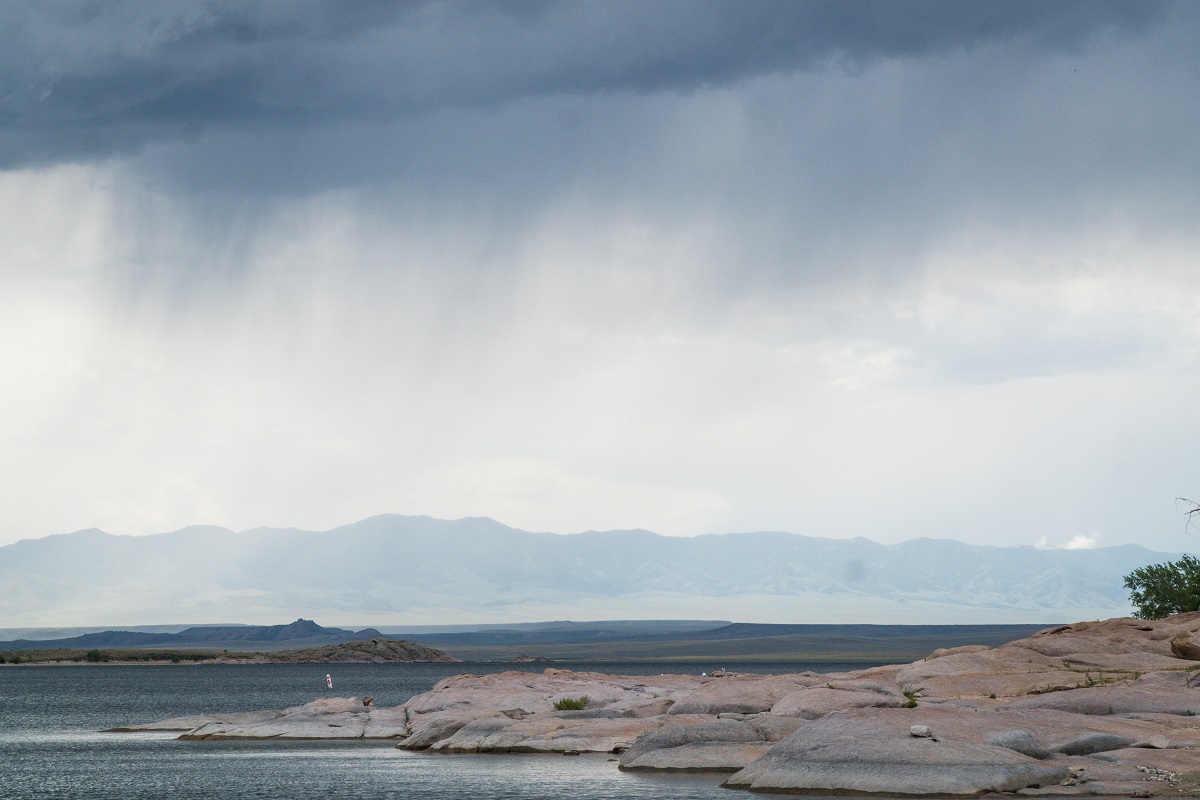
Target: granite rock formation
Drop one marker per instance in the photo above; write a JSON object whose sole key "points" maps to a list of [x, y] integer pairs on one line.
{"points": [[1095, 708]]}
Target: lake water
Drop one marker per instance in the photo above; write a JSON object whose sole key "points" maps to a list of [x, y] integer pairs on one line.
{"points": [[51, 744]]}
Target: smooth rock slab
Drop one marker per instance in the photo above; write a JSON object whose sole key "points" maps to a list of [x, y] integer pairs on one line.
{"points": [[702, 757], [197, 720], [1181, 761], [819, 701], [1106, 700], [844, 756], [1003, 685], [326, 718], [546, 733], [430, 732], [742, 694], [288, 726], [718, 745], [724, 745], [1121, 635], [475, 696]]}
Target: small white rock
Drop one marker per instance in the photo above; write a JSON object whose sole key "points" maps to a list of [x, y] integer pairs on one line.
{"points": [[921, 731]]}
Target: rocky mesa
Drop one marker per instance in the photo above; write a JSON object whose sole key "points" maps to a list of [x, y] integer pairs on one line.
{"points": [[1095, 708]]}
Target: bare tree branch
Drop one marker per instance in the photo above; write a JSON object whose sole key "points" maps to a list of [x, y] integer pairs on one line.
{"points": [[1192, 515]]}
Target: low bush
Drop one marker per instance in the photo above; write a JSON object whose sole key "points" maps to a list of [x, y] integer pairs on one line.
{"points": [[572, 703]]}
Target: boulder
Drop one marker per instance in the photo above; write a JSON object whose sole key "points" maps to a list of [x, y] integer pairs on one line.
{"points": [[1186, 644]]}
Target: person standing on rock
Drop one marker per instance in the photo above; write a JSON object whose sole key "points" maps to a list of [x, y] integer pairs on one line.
{"points": [[328, 680]]}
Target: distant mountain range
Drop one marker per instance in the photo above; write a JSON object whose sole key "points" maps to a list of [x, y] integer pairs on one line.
{"points": [[302, 632], [574, 641], [394, 571]]}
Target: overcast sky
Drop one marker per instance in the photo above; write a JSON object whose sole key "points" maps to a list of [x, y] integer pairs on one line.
{"points": [[836, 268]]}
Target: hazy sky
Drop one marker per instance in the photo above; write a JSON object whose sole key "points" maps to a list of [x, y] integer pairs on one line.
{"points": [[836, 268]]}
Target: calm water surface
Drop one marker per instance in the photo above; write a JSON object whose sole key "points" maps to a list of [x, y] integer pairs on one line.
{"points": [[51, 745]]}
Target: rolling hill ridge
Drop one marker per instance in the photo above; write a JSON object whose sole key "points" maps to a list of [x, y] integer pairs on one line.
{"points": [[390, 570]]}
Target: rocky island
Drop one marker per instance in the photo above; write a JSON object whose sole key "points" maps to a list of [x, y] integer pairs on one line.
{"points": [[377, 650], [1095, 708]]}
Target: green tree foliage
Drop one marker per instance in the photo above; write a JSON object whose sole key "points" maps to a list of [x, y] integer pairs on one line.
{"points": [[1161, 590]]}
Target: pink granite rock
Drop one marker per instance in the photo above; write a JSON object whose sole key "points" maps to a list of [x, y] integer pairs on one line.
{"points": [[743, 694], [819, 700], [845, 754], [1111, 703], [325, 718]]}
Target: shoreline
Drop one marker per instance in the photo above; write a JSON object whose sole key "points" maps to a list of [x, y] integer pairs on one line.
{"points": [[1096, 708]]}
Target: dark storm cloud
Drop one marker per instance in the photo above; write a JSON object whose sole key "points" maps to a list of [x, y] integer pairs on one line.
{"points": [[87, 80]]}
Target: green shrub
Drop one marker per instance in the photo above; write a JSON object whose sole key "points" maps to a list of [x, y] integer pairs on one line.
{"points": [[910, 700], [572, 703], [1, 659], [96, 656]]}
